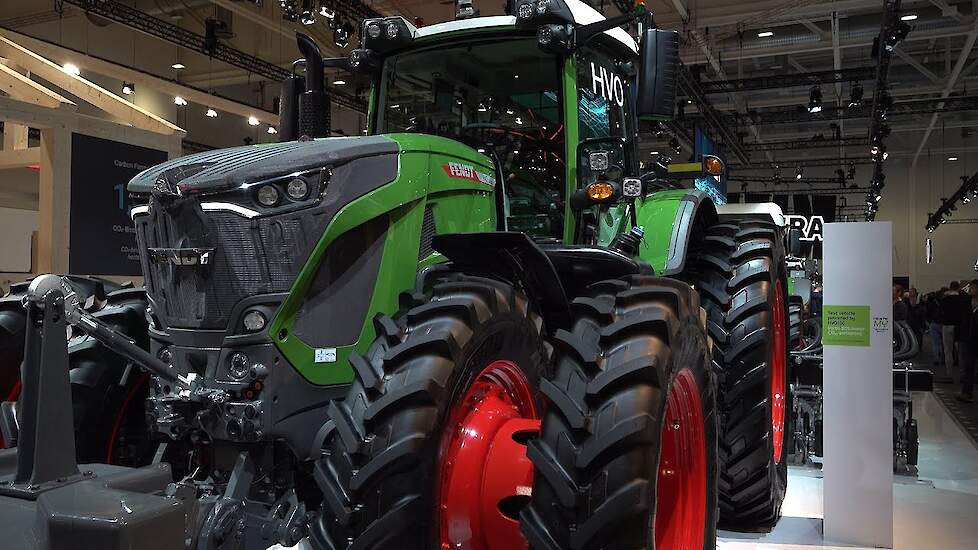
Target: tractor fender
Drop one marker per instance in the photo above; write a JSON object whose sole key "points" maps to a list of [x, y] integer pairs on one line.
{"points": [[669, 218], [516, 259], [767, 211]]}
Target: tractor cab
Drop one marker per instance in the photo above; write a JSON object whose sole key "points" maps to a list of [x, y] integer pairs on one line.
{"points": [[550, 93]]}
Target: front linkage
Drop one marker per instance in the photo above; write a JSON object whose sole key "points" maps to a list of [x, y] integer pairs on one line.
{"points": [[102, 506]]}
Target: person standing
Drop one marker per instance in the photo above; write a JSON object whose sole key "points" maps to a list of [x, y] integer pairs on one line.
{"points": [[900, 310], [917, 323], [968, 351], [936, 330], [949, 313]]}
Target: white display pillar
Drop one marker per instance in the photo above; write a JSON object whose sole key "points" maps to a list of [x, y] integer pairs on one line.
{"points": [[858, 384]]}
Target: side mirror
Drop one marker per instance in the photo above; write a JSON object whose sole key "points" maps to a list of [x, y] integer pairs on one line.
{"points": [[794, 242], [659, 57]]}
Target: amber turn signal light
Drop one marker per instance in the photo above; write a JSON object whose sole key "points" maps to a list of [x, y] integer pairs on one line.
{"points": [[712, 165], [600, 191]]}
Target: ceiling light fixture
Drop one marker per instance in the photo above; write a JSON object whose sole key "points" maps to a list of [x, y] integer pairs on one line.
{"points": [[765, 34], [71, 68], [952, 159], [128, 88], [177, 100], [271, 130], [211, 113], [178, 66], [339, 82], [326, 11], [252, 121], [908, 17]]}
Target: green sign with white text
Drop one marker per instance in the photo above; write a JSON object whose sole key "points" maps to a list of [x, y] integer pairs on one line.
{"points": [[845, 326]]}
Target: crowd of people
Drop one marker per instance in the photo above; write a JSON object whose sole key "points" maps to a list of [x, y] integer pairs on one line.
{"points": [[949, 316]]}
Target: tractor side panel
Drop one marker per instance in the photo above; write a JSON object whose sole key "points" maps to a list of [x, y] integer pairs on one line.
{"points": [[668, 218], [460, 194], [657, 214], [371, 251]]}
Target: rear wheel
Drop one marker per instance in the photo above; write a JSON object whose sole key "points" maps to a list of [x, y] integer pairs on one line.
{"points": [[427, 450], [626, 456], [739, 270]]}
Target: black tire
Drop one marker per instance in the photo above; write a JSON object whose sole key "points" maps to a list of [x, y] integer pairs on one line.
{"points": [[104, 410], [380, 461], [91, 292], [736, 267], [597, 457], [109, 415]]}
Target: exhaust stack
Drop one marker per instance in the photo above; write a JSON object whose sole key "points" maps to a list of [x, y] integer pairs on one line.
{"points": [[314, 104]]}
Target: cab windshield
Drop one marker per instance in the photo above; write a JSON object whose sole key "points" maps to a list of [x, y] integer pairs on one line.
{"points": [[503, 95]]}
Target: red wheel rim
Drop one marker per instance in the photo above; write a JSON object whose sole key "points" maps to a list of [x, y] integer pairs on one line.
{"points": [[779, 364], [484, 475], [680, 508]]}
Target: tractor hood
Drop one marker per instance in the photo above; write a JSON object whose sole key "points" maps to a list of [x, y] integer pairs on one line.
{"points": [[226, 169]]}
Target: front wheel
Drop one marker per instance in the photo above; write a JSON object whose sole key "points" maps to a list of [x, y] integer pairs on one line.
{"points": [[428, 449], [627, 452]]}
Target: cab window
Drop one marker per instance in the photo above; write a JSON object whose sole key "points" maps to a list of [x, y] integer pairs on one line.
{"points": [[502, 95]]}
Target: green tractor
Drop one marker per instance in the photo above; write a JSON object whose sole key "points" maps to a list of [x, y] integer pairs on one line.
{"points": [[478, 327]]}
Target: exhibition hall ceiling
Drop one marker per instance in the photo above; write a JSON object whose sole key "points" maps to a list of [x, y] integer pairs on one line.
{"points": [[780, 48]]}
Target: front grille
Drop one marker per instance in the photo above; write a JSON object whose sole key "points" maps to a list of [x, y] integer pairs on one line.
{"points": [[251, 256]]}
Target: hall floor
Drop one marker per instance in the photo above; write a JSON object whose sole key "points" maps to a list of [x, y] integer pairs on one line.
{"points": [[936, 510]]}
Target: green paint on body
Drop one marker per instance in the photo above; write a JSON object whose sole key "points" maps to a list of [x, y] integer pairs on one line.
{"points": [[656, 214], [459, 205], [572, 133]]}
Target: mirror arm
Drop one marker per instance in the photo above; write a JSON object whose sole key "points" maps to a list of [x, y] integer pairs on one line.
{"points": [[584, 34], [337, 63]]}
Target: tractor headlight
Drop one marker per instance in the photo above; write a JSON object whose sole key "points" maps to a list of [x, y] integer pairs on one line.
{"points": [[238, 367], [267, 195], [535, 13], [631, 187], [598, 161], [387, 34], [554, 38], [297, 189], [253, 321]]}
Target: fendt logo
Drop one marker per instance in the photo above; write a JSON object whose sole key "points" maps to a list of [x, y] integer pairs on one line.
{"points": [[608, 85], [466, 172], [811, 228], [182, 257]]}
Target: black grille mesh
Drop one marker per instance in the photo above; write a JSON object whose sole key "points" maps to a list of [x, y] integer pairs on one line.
{"points": [[252, 256], [427, 234]]}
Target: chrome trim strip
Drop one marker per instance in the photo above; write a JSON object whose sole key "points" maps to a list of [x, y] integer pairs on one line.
{"points": [[138, 210], [239, 210]]}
